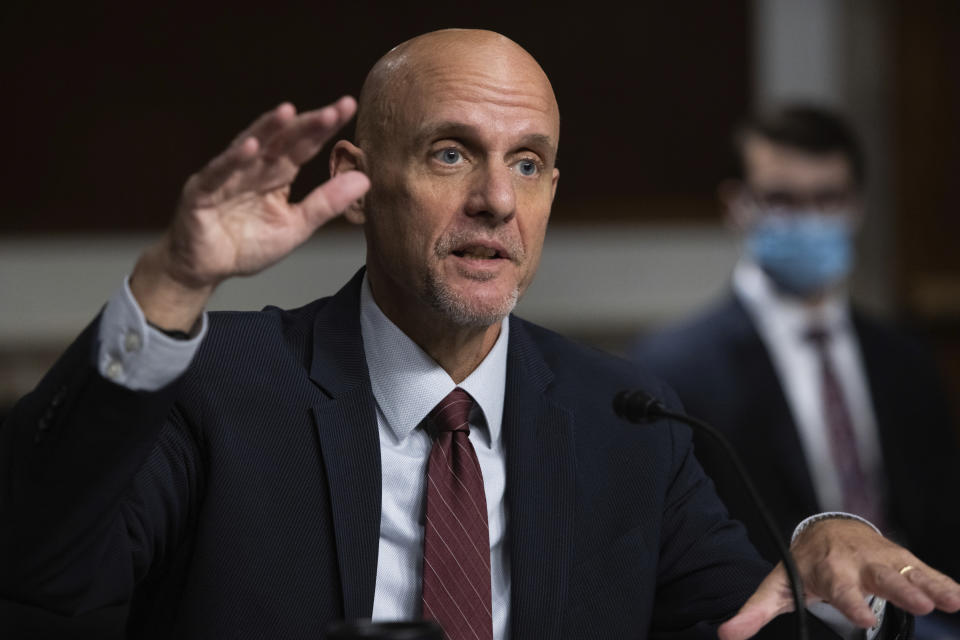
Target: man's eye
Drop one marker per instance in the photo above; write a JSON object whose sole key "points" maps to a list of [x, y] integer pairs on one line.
{"points": [[449, 156], [527, 167]]}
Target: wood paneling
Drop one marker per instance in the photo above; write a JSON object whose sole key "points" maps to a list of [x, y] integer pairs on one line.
{"points": [[927, 169], [927, 158]]}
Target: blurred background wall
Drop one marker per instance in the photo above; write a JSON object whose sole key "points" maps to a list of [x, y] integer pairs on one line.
{"points": [[109, 106]]}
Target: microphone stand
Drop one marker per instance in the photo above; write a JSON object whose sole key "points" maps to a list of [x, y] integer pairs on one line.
{"points": [[639, 406]]}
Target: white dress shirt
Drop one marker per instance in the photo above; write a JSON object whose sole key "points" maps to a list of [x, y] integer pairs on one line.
{"points": [[133, 354], [408, 384], [782, 323]]}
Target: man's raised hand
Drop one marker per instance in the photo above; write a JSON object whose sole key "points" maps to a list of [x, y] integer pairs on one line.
{"points": [[234, 216]]}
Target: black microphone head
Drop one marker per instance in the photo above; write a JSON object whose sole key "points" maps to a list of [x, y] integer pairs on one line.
{"points": [[636, 405]]}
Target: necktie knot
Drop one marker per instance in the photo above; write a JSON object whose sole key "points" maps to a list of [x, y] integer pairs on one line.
{"points": [[452, 413]]}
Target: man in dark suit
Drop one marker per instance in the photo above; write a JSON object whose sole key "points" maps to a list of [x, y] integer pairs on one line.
{"points": [[829, 409], [334, 460]]}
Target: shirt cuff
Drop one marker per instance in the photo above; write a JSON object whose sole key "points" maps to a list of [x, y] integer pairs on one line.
{"points": [[830, 614], [827, 515], [133, 354]]}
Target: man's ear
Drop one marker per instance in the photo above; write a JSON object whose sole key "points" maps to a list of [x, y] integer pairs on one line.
{"points": [[346, 156], [735, 214]]}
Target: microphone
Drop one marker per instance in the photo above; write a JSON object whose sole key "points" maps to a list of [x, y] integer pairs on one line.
{"points": [[637, 406], [640, 407]]}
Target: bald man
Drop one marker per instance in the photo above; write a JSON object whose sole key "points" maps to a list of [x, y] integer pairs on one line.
{"points": [[403, 449]]}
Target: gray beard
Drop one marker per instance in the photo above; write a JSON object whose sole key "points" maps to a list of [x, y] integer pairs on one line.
{"points": [[460, 312]]}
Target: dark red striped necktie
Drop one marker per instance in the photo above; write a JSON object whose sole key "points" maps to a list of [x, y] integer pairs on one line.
{"points": [[456, 539]]}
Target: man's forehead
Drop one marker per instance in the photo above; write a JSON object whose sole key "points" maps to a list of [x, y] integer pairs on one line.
{"points": [[464, 97], [449, 75]]}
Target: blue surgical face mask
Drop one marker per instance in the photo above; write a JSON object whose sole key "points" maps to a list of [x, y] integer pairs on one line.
{"points": [[804, 253]]}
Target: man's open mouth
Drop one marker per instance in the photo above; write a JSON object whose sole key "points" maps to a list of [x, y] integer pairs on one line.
{"points": [[479, 253]]}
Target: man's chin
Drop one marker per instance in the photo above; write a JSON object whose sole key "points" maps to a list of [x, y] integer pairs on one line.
{"points": [[478, 304]]}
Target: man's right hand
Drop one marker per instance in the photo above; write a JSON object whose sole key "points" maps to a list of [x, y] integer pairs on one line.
{"points": [[234, 216]]}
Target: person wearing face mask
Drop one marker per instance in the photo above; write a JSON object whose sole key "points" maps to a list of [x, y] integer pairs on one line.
{"points": [[829, 409]]}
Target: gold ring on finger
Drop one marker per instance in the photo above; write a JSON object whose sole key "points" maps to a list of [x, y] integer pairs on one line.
{"points": [[907, 569]]}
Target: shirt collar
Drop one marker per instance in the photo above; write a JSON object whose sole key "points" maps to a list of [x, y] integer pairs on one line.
{"points": [[784, 314], [407, 383]]}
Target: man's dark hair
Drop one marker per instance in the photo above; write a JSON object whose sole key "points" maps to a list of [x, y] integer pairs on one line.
{"points": [[805, 127]]}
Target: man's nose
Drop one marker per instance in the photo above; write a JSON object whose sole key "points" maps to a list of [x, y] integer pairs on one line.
{"points": [[493, 194]]}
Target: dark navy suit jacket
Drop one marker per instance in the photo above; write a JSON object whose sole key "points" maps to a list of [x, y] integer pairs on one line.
{"points": [[243, 501], [723, 374]]}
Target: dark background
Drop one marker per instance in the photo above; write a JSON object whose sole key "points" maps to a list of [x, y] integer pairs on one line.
{"points": [[113, 105]]}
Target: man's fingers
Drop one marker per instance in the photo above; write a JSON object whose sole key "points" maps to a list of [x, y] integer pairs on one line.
{"points": [[332, 197], [303, 137], [277, 134], [268, 124], [745, 624], [346, 107], [772, 598], [243, 150], [851, 602], [305, 143], [888, 583], [218, 171], [943, 592]]}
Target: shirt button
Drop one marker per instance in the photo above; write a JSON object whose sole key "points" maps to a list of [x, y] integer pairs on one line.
{"points": [[132, 342], [114, 370]]}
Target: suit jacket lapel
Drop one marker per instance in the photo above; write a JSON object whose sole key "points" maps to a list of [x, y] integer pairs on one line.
{"points": [[540, 491], [781, 441], [350, 445]]}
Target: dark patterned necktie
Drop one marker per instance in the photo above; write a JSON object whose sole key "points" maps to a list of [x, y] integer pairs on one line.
{"points": [[456, 539], [858, 496]]}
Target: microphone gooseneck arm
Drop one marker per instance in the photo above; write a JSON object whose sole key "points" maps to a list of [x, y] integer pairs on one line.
{"points": [[639, 407]]}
